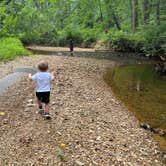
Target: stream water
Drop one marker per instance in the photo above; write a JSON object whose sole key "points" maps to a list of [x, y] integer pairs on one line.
{"points": [[127, 58], [136, 83], [144, 92], [12, 78]]}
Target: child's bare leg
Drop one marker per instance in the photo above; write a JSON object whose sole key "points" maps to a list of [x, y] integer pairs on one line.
{"points": [[47, 108], [39, 102]]}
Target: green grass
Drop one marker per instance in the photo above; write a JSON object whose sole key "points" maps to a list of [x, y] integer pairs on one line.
{"points": [[11, 48], [148, 103]]}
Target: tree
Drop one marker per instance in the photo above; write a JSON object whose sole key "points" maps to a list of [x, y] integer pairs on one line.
{"points": [[112, 17], [100, 10], [131, 12], [146, 11], [158, 12], [135, 15], [115, 18]]}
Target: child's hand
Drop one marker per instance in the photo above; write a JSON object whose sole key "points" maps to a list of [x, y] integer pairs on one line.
{"points": [[53, 75], [30, 76]]}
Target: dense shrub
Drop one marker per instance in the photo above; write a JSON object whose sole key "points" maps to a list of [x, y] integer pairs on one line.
{"points": [[149, 40], [123, 41], [69, 33], [49, 38], [36, 37], [10, 48], [155, 40], [31, 37], [89, 37], [80, 36]]}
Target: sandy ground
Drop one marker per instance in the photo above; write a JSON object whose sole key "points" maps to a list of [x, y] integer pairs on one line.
{"points": [[95, 128], [59, 49]]}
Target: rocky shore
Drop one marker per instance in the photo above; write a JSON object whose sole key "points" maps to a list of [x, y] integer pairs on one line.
{"points": [[89, 125]]}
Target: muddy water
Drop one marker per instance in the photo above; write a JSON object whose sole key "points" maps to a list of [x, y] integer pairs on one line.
{"points": [[143, 91]]}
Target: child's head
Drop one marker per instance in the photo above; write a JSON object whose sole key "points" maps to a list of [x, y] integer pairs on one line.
{"points": [[43, 66]]}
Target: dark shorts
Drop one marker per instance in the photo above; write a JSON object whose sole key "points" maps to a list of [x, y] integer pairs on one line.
{"points": [[44, 97]]}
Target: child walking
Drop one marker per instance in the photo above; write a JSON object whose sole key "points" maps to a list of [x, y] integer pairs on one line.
{"points": [[43, 80]]}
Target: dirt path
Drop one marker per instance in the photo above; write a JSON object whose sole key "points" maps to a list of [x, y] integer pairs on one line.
{"points": [[94, 126]]}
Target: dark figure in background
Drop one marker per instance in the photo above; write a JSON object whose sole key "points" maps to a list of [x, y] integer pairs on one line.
{"points": [[71, 45]]}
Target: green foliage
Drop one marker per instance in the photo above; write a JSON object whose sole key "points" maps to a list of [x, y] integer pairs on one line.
{"points": [[124, 41], [32, 37], [70, 32], [50, 22], [80, 36], [10, 48], [89, 36], [149, 40], [155, 39], [35, 37]]}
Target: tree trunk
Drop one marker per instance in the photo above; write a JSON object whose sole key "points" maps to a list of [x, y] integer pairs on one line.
{"points": [[100, 8], [116, 20], [146, 11], [131, 12], [113, 18], [37, 3], [135, 15], [109, 21], [8, 1], [158, 12]]}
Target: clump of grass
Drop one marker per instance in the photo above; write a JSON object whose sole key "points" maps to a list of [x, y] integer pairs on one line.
{"points": [[11, 48], [60, 154]]}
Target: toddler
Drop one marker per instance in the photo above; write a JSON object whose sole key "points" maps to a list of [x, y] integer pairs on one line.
{"points": [[43, 80]]}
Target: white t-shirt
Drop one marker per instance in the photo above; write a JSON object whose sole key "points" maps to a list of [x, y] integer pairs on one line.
{"points": [[43, 80]]}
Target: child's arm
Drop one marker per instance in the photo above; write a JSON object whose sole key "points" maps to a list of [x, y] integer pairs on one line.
{"points": [[53, 76], [32, 77]]}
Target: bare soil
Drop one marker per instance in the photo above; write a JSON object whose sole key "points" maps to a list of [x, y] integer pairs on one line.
{"points": [[89, 125]]}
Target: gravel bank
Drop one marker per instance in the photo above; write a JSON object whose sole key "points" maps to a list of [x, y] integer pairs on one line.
{"points": [[89, 126]]}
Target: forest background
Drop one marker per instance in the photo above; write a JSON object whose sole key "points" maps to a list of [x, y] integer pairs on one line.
{"points": [[120, 25]]}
